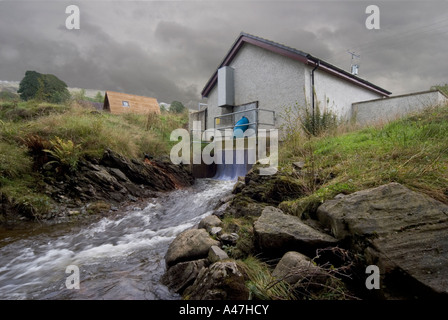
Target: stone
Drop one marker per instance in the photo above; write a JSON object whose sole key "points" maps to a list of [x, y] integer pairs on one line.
{"points": [[216, 254], [227, 198], [294, 266], [299, 165], [183, 274], [191, 244], [229, 239], [220, 212], [276, 231], [238, 187], [215, 231], [209, 222], [407, 234], [221, 281], [118, 174]]}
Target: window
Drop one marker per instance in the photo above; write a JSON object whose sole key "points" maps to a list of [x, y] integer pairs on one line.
{"points": [[125, 103]]}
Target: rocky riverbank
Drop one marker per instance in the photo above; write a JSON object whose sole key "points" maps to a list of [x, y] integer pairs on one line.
{"points": [[320, 254], [101, 186]]}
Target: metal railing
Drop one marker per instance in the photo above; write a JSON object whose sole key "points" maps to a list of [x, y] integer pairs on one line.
{"points": [[232, 122]]}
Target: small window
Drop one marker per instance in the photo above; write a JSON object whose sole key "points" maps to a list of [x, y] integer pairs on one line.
{"points": [[125, 103]]}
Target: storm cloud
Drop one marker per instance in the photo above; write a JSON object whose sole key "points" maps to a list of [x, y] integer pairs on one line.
{"points": [[169, 49]]}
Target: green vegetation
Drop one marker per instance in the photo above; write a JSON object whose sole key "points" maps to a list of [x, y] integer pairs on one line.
{"points": [[43, 87], [441, 88], [261, 284], [34, 134], [81, 96], [412, 151], [177, 107]]}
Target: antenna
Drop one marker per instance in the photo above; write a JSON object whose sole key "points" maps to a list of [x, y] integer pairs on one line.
{"points": [[354, 67]]}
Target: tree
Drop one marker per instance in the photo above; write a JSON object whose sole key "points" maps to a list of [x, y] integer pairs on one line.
{"points": [[99, 97], [44, 87], [177, 107], [29, 85]]}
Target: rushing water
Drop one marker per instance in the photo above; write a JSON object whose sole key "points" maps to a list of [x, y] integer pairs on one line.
{"points": [[119, 257]]}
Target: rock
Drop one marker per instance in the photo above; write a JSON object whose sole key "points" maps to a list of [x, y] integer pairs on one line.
{"points": [[299, 165], [215, 231], [183, 274], [221, 281], [209, 222], [407, 232], [227, 198], [220, 212], [272, 189], [216, 254], [243, 206], [229, 239], [238, 187], [295, 266], [118, 174], [159, 175], [276, 231], [189, 245]]}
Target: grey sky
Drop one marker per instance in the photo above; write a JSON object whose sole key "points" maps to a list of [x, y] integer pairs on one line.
{"points": [[169, 49]]}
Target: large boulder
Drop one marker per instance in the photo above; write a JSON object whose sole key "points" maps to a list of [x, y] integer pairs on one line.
{"points": [[189, 245], [221, 281], [183, 274], [407, 232], [278, 232]]}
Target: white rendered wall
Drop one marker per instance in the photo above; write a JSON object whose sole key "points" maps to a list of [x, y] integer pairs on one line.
{"points": [[384, 110], [334, 94]]}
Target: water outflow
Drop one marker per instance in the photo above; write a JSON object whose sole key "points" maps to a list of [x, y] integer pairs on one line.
{"points": [[120, 257], [235, 163]]}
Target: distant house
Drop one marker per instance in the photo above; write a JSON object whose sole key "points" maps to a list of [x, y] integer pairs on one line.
{"points": [[261, 74], [119, 103]]}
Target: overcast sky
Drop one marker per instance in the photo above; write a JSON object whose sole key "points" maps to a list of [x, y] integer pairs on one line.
{"points": [[169, 49]]}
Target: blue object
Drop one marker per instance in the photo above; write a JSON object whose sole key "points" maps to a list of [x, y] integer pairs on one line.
{"points": [[240, 127]]}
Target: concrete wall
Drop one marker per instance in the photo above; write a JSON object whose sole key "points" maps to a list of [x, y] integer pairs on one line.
{"points": [[387, 109], [197, 116], [334, 94]]}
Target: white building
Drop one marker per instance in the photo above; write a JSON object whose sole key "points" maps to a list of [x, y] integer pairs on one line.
{"points": [[260, 74]]}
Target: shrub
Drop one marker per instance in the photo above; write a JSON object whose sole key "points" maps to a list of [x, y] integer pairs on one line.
{"points": [[65, 152]]}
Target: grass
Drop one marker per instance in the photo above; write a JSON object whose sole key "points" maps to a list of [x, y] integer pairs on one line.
{"points": [[412, 151], [34, 133], [261, 284]]}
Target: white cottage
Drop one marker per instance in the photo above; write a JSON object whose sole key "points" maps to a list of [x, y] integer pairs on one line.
{"points": [[260, 74]]}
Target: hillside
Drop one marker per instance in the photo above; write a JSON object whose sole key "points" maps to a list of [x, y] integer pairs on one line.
{"points": [[13, 86], [45, 145]]}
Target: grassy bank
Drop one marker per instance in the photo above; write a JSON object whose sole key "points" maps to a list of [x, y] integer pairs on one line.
{"points": [[412, 151], [33, 133]]}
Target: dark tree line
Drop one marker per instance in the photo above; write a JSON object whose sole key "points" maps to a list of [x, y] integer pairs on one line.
{"points": [[43, 87]]}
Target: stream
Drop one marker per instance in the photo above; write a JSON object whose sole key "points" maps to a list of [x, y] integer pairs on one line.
{"points": [[119, 257]]}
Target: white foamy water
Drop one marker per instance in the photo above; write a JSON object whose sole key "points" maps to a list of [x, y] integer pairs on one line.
{"points": [[118, 258]]}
